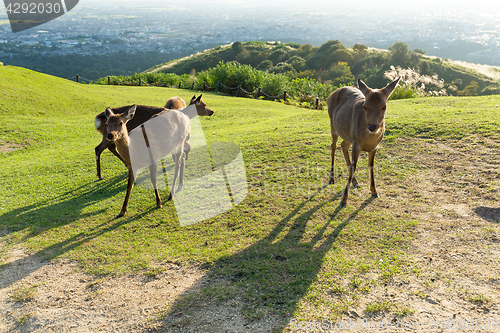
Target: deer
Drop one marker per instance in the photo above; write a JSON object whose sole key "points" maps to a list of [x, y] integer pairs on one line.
{"points": [[167, 133], [357, 115], [175, 103], [142, 114]]}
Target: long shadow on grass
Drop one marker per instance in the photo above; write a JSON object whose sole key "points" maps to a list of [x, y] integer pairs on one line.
{"points": [[62, 209], [55, 212], [17, 270], [267, 280]]}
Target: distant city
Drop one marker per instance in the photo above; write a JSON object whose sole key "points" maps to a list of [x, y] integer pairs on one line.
{"points": [[174, 29]]}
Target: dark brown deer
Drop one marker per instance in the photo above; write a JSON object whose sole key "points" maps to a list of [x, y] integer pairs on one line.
{"points": [[142, 114], [357, 116], [167, 134]]}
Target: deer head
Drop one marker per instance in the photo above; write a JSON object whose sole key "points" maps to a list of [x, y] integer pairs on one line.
{"points": [[115, 123], [201, 107], [375, 104]]}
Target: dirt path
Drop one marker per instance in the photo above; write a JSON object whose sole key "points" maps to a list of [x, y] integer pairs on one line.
{"points": [[456, 254]]}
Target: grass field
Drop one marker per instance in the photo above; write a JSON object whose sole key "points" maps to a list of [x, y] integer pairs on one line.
{"points": [[288, 250]]}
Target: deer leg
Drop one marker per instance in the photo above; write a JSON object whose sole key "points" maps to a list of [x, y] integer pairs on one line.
{"points": [[98, 151], [182, 162], [153, 174], [176, 158], [130, 184], [371, 162], [352, 169], [334, 147], [345, 149]]}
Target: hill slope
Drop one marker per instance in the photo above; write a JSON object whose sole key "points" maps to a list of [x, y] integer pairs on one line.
{"points": [[287, 255], [334, 63]]}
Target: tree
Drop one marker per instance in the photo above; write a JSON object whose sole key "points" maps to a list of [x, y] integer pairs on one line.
{"points": [[297, 62], [340, 74], [470, 90], [360, 48], [400, 54], [282, 67], [278, 55], [265, 65], [328, 54], [237, 47], [305, 51]]}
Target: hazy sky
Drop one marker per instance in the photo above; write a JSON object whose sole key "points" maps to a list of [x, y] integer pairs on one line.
{"points": [[485, 6]]}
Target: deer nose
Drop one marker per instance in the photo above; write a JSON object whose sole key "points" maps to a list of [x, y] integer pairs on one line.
{"points": [[372, 128], [110, 137]]}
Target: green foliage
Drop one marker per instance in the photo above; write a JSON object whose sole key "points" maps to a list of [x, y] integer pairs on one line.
{"points": [[305, 51], [277, 56], [328, 54], [248, 64], [297, 62], [470, 90], [404, 92], [282, 67], [265, 65], [232, 74]]}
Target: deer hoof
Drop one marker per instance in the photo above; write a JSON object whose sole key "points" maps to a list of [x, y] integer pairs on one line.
{"points": [[342, 205], [356, 185], [331, 181], [120, 215], [375, 195]]}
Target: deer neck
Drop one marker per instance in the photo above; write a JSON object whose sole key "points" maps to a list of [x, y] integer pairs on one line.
{"points": [[122, 145]]}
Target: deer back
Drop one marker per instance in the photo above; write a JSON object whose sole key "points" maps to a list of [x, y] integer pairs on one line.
{"points": [[346, 112], [142, 114], [166, 134]]}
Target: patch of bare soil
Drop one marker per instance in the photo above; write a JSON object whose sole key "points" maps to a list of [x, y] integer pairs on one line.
{"points": [[455, 274], [65, 300], [455, 198], [7, 147]]}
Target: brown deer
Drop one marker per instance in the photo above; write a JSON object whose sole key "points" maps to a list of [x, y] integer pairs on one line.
{"points": [[357, 116], [175, 103], [167, 133], [142, 114]]}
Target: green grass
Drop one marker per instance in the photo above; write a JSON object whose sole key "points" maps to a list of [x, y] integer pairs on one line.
{"points": [[23, 293], [286, 249]]}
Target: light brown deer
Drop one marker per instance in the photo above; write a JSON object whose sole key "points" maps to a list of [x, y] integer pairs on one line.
{"points": [[357, 116], [175, 103], [167, 133], [142, 114]]}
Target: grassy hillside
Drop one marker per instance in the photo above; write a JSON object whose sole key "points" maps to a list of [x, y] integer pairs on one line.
{"points": [[334, 64], [288, 250]]}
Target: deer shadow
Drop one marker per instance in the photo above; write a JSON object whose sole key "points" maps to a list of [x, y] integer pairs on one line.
{"points": [[488, 213], [258, 272], [64, 209]]}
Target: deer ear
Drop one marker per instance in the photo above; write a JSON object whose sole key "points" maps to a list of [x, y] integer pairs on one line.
{"points": [[108, 113], [193, 100], [129, 114], [390, 88], [198, 100], [363, 87]]}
